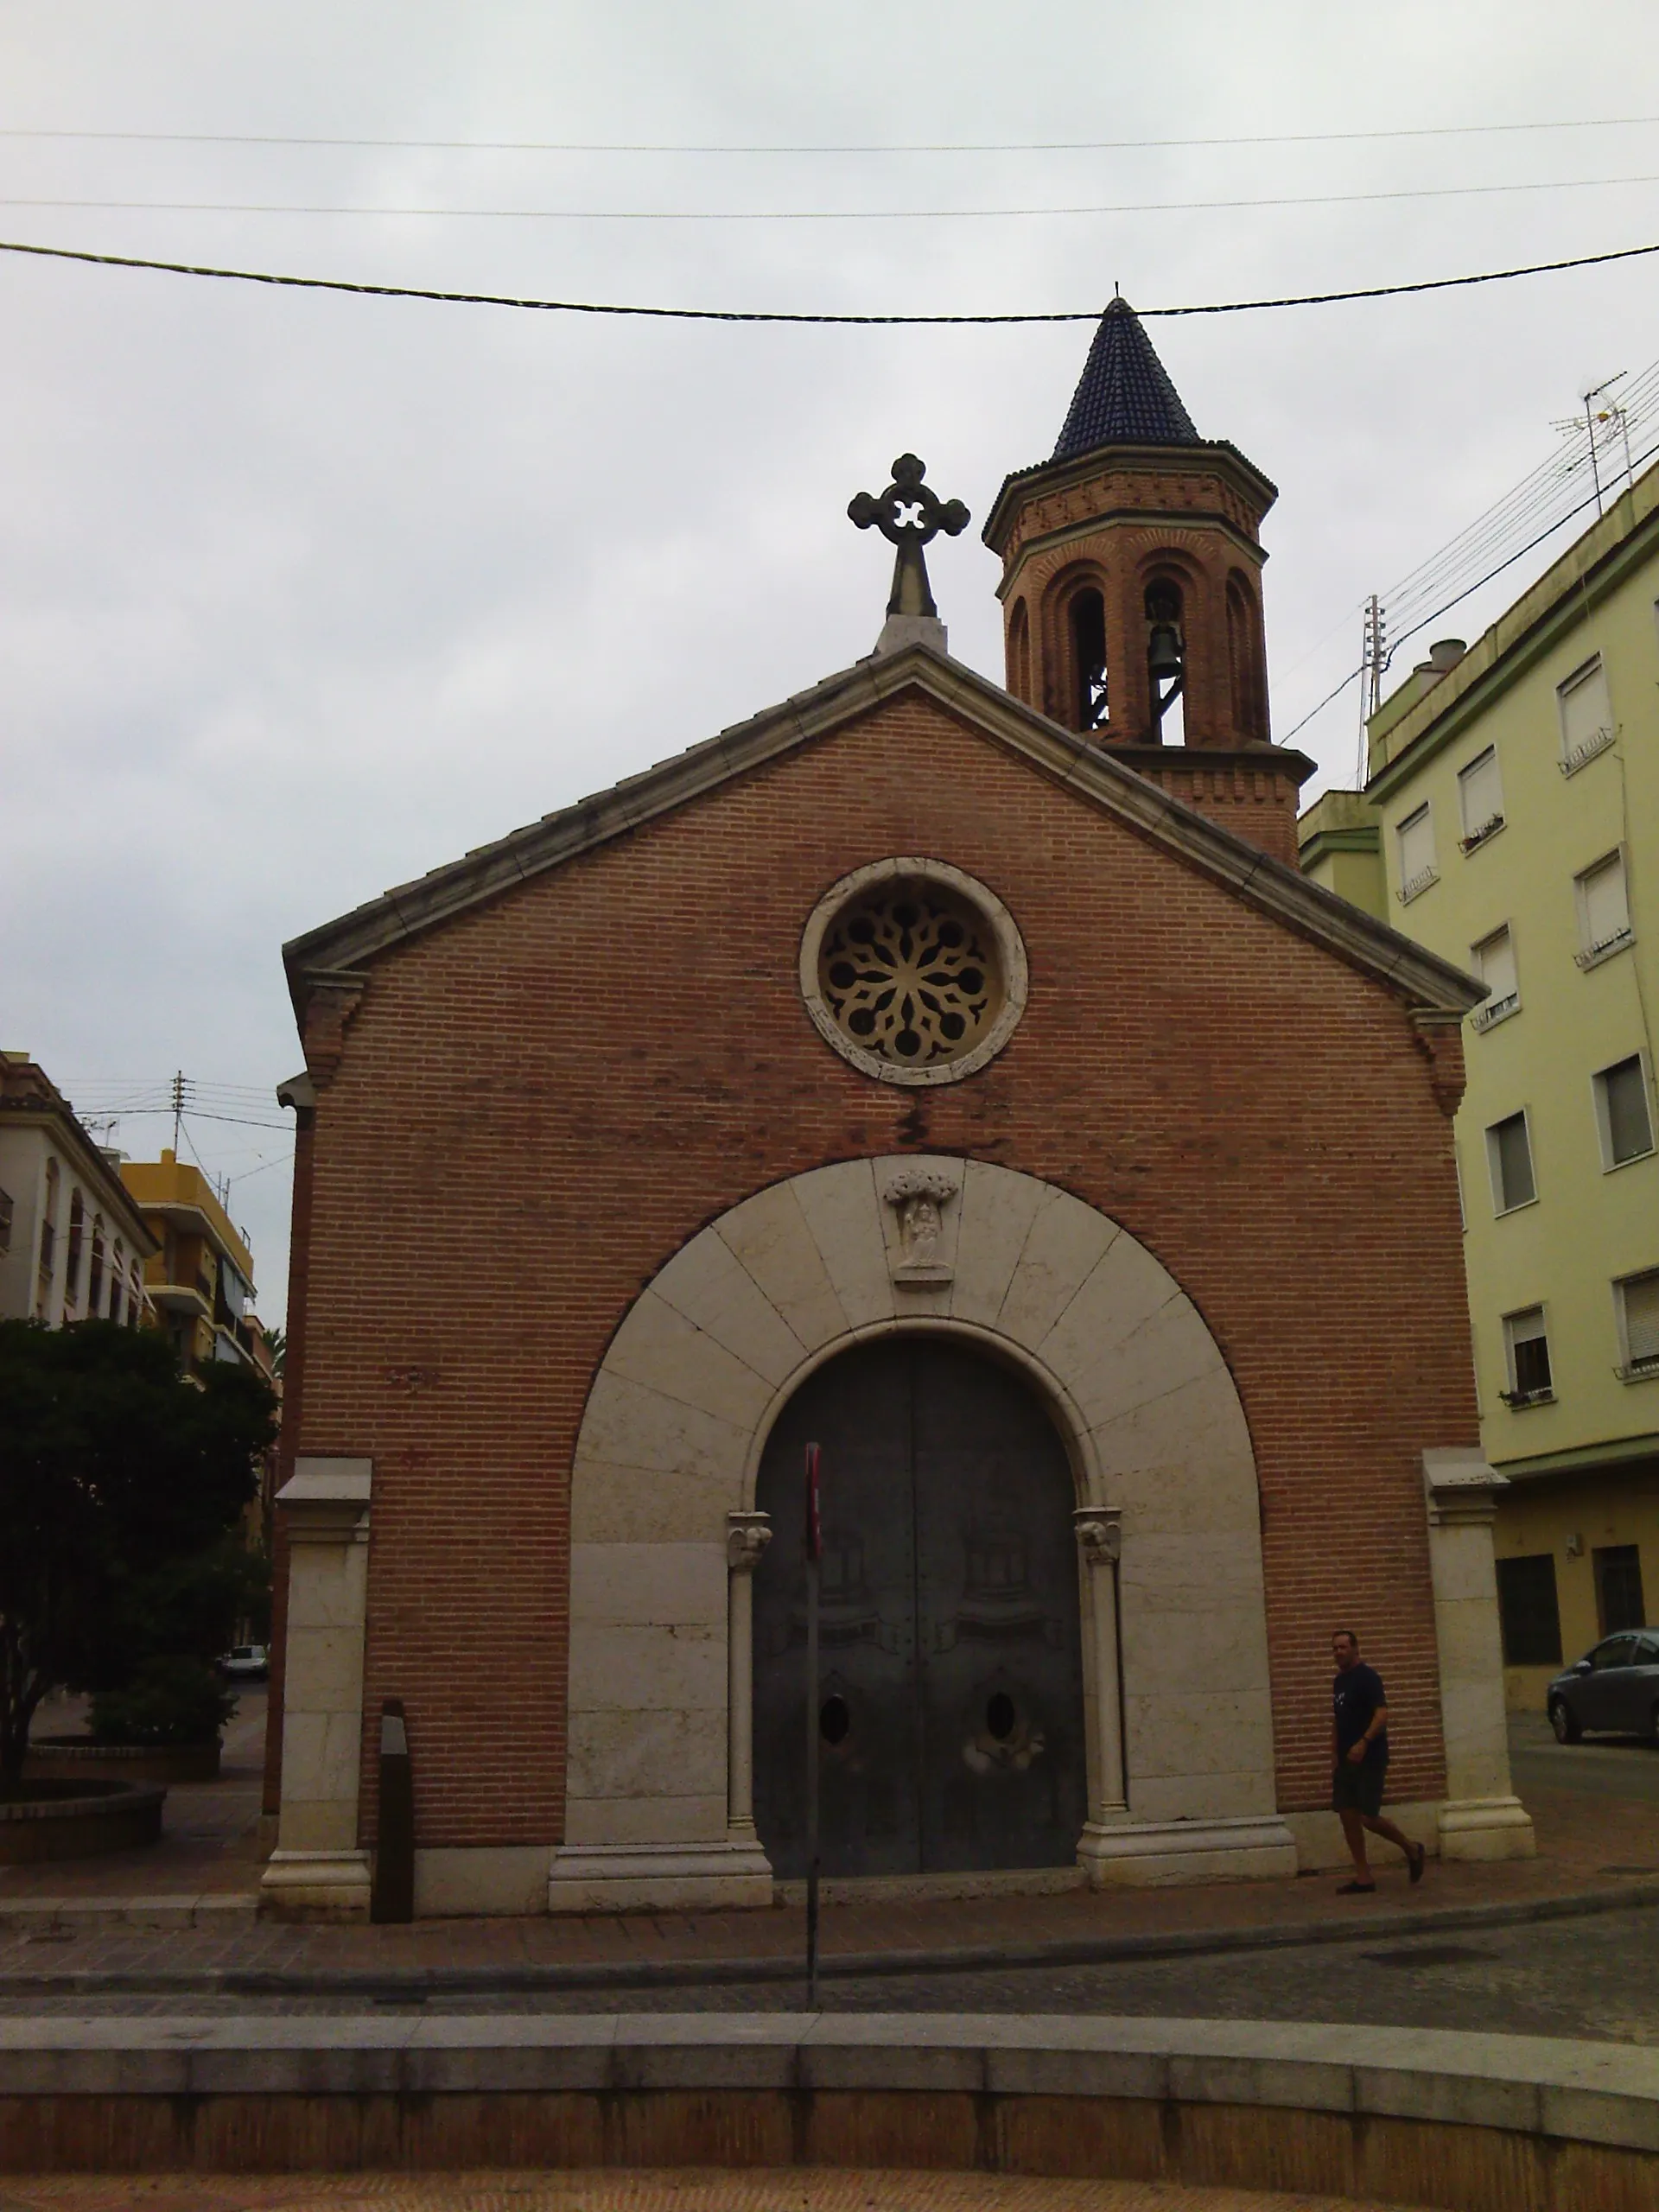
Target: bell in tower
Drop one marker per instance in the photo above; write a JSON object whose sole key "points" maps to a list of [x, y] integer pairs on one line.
{"points": [[1132, 591]]}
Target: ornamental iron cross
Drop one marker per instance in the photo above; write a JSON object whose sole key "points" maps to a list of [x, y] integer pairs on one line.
{"points": [[909, 515]]}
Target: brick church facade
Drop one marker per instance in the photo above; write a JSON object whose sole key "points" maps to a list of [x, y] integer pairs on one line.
{"points": [[964, 1078]]}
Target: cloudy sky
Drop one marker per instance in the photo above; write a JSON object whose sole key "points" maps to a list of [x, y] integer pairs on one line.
{"points": [[301, 594]]}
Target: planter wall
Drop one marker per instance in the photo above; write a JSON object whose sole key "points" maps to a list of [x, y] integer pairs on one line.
{"points": [[67, 1758], [77, 1819]]}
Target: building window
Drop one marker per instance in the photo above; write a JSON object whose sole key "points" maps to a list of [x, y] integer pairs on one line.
{"points": [[1637, 1298], [5, 1221], [1417, 868], [1622, 1116], [117, 1280], [1480, 797], [95, 1280], [72, 1261], [1494, 962], [1526, 1345], [1618, 1588], [48, 1242], [1586, 715], [1603, 910], [1528, 1610], [1508, 1154], [1020, 650]]}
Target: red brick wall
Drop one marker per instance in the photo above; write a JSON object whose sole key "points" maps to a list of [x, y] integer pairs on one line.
{"points": [[539, 1102]]}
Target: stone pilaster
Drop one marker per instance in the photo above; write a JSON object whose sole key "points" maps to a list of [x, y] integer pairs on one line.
{"points": [[317, 1870], [1482, 1817]]}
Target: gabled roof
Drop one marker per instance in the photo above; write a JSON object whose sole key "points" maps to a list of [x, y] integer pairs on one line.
{"points": [[1124, 397], [1263, 882]]}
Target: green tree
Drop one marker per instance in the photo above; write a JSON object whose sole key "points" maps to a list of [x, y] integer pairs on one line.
{"points": [[121, 1485]]}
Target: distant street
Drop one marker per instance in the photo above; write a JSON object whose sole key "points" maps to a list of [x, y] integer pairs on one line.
{"points": [[1624, 1766]]}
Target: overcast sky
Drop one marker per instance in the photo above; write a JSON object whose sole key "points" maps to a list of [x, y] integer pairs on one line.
{"points": [[303, 594]]}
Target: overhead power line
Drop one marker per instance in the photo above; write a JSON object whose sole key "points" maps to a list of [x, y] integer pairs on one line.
{"points": [[954, 146], [829, 214], [1468, 591], [761, 315]]}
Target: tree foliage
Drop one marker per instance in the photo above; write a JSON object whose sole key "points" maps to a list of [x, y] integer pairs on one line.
{"points": [[122, 1484]]}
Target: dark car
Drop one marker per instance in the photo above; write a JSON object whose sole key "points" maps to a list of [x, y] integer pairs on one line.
{"points": [[1614, 1687]]}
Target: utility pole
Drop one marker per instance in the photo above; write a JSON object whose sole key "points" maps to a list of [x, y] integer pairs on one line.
{"points": [[1376, 625], [1590, 397], [178, 1109]]}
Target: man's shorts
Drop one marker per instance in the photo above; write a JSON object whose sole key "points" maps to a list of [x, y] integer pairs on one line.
{"points": [[1358, 1789]]}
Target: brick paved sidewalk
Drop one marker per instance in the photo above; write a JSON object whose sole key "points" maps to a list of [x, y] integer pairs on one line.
{"points": [[1589, 1845]]}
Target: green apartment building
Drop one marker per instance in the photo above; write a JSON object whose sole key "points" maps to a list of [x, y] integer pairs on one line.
{"points": [[1511, 823]]}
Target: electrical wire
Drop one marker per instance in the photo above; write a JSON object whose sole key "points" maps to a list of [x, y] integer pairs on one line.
{"points": [[833, 214], [759, 315], [1039, 146], [1520, 553]]}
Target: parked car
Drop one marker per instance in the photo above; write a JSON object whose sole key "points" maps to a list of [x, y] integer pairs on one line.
{"points": [[248, 1662], [1614, 1687]]}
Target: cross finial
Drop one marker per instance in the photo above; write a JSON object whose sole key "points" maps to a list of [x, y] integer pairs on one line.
{"points": [[909, 515]]}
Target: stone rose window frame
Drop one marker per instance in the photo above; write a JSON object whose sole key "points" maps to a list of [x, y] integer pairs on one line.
{"points": [[1012, 979]]}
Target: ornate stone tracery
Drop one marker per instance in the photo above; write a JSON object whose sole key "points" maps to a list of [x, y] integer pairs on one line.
{"points": [[912, 971]]}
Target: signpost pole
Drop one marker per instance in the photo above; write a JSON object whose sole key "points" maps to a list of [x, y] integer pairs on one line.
{"points": [[814, 1546]]}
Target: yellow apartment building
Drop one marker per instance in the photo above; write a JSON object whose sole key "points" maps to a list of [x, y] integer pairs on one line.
{"points": [[200, 1279], [1511, 822]]}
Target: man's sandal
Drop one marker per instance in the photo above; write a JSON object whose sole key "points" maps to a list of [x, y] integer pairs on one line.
{"points": [[1357, 1889], [1416, 1857]]}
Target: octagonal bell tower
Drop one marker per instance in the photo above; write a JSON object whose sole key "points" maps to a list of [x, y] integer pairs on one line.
{"points": [[1132, 592]]}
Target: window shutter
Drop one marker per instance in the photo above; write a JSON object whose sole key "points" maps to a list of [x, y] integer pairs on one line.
{"points": [[1587, 711], [1630, 1133], [1640, 1297], [1416, 845], [1496, 960], [1515, 1182], [1607, 910], [1481, 792]]}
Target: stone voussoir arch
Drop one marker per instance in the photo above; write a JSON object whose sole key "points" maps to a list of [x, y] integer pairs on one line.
{"points": [[665, 1534]]}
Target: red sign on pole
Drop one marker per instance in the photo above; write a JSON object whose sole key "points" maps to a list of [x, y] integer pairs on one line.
{"points": [[814, 1534]]}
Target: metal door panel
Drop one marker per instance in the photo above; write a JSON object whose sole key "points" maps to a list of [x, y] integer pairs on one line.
{"points": [[998, 1637], [858, 1409], [952, 1698]]}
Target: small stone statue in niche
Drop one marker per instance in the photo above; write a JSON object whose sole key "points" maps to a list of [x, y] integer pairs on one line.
{"points": [[920, 1196]]}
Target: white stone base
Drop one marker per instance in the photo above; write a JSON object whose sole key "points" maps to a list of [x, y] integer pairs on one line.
{"points": [[482, 1878], [1145, 1854], [901, 630], [658, 1878], [1486, 1827], [1320, 1848], [315, 1885]]}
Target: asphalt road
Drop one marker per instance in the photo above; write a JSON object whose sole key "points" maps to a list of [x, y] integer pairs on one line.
{"points": [[1602, 1766]]}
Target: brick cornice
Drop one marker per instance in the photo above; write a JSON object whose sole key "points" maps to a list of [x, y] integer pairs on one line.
{"points": [[338, 947]]}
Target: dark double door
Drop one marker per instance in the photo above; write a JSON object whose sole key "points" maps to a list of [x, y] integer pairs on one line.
{"points": [[951, 1698]]}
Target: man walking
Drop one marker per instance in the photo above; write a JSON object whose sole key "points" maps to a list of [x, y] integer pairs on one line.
{"points": [[1359, 1750]]}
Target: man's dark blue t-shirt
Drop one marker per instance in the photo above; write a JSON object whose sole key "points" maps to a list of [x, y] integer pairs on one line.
{"points": [[1355, 1696]]}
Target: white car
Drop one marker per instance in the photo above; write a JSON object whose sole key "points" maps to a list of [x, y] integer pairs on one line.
{"points": [[248, 1662]]}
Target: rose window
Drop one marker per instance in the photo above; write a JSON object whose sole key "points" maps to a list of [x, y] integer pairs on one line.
{"points": [[910, 973]]}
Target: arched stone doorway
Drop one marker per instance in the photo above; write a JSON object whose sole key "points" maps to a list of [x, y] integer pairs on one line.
{"points": [[950, 1703], [666, 1539]]}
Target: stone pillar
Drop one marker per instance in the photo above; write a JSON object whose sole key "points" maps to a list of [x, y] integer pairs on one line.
{"points": [[747, 1535], [1482, 1817], [1099, 1531], [317, 1870]]}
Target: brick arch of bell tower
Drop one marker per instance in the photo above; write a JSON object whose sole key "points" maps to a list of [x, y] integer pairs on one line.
{"points": [[1134, 516]]}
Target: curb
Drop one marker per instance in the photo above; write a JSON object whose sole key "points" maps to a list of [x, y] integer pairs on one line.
{"points": [[417, 1983], [214, 1910]]}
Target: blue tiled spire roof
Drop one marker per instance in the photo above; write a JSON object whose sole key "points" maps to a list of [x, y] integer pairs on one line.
{"points": [[1124, 396]]}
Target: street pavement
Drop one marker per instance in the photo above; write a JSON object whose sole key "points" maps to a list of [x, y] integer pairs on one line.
{"points": [[1429, 1957]]}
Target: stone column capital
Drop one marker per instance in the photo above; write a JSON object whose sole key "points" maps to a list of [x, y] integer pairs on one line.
{"points": [[747, 1535], [1461, 1489], [1099, 1532]]}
